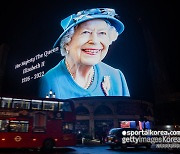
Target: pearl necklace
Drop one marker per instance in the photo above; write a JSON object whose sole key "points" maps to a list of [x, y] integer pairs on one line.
{"points": [[90, 76]]}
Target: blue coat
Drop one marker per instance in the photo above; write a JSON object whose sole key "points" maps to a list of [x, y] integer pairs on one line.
{"points": [[63, 86]]}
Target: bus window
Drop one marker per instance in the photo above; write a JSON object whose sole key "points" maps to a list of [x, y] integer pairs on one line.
{"points": [[36, 105], [50, 105], [26, 104], [6, 102], [18, 126], [4, 125], [47, 105], [65, 106], [16, 103], [21, 104], [55, 106], [68, 127]]}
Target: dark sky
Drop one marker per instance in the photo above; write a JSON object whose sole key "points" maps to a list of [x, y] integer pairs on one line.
{"points": [[31, 27]]}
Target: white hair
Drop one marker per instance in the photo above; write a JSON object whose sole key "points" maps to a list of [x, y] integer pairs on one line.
{"points": [[113, 34]]}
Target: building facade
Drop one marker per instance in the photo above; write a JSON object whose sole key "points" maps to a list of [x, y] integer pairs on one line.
{"points": [[97, 115]]}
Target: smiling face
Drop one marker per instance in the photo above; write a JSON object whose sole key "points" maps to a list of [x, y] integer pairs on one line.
{"points": [[90, 43]]}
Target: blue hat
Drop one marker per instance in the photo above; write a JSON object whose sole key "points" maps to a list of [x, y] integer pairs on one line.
{"points": [[89, 14]]}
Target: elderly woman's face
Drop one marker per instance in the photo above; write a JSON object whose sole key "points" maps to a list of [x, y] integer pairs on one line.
{"points": [[90, 42]]}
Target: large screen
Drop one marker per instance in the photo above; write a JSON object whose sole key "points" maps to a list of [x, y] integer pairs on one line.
{"points": [[125, 70]]}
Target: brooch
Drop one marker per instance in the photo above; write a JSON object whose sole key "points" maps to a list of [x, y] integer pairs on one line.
{"points": [[105, 84]]}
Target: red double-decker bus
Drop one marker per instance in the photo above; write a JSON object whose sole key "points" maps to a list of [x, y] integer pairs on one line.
{"points": [[35, 123]]}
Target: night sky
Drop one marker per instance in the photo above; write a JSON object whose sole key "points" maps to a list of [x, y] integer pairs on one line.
{"points": [[31, 27]]}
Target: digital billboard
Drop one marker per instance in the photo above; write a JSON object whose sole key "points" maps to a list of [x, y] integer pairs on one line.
{"points": [[46, 43]]}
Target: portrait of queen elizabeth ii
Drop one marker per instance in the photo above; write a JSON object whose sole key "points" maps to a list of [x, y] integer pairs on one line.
{"points": [[84, 44]]}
